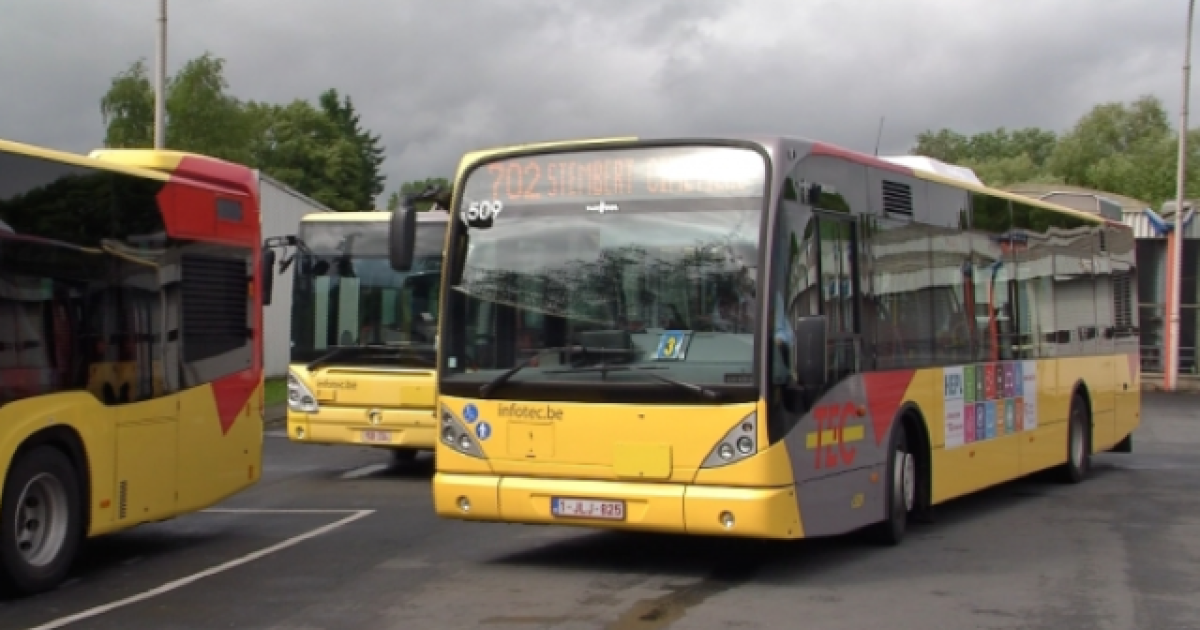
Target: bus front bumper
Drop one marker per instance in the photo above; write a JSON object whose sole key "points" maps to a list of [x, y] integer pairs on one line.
{"points": [[659, 507], [395, 428]]}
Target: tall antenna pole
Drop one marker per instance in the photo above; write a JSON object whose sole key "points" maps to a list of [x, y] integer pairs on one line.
{"points": [[160, 76], [878, 136], [1175, 236]]}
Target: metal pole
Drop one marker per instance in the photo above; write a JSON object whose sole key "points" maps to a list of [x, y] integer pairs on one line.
{"points": [[1175, 237], [160, 76]]}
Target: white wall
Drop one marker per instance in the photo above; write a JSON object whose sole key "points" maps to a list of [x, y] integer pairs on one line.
{"points": [[282, 208]]}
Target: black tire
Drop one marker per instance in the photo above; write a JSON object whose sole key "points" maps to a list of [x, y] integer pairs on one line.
{"points": [[1124, 446], [404, 456], [901, 491], [1079, 443], [40, 521]]}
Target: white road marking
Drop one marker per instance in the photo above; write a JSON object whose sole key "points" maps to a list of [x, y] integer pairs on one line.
{"points": [[354, 515], [364, 471], [275, 433], [280, 511], [402, 564]]}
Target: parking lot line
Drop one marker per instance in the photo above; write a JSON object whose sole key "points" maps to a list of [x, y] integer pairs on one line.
{"points": [[352, 515], [364, 471]]}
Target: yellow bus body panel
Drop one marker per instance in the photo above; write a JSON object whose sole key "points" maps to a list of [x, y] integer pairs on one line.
{"points": [[648, 456], [150, 460], [356, 402]]}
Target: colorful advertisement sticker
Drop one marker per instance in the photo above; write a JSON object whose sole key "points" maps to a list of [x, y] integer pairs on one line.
{"points": [[989, 400]]}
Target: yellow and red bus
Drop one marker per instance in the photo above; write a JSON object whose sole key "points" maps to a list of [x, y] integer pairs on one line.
{"points": [[130, 346], [766, 337], [363, 352]]}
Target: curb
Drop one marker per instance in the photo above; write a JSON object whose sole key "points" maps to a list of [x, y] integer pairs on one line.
{"points": [[275, 415]]}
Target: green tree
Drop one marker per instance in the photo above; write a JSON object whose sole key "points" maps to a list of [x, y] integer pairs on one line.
{"points": [[414, 187], [321, 151], [999, 157], [127, 109], [203, 116], [370, 181], [302, 147], [1128, 149], [950, 146], [200, 115], [1125, 148]]}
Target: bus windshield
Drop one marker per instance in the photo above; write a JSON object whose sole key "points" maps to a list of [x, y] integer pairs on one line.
{"points": [[347, 298], [668, 276]]}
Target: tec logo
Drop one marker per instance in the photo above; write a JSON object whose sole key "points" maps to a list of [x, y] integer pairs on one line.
{"points": [[470, 413], [483, 431]]}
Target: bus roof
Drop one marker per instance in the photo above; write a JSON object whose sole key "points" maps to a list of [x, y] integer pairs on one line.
{"points": [[776, 145], [200, 168], [346, 217], [370, 216], [75, 159]]}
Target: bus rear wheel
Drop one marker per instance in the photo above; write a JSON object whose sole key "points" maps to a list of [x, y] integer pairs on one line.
{"points": [[1079, 442], [40, 521]]}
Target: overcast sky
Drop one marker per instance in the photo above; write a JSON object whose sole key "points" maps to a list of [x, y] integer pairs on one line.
{"points": [[437, 78]]}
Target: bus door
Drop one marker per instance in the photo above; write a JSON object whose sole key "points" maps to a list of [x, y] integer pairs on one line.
{"points": [[838, 249]]}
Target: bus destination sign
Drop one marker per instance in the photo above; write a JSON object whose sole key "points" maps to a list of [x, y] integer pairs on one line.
{"points": [[610, 175]]}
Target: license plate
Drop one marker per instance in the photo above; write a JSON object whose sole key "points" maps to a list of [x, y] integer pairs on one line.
{"points": [[588, 508], [377, 436]]}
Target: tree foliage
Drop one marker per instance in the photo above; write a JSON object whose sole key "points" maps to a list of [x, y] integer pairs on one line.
{"points": [[413, 187], [321, 150], [1125, 148]]}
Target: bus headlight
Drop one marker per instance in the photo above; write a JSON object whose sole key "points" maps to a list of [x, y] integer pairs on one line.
{"points": [[457, 437], [739, 443], [299, 397]]}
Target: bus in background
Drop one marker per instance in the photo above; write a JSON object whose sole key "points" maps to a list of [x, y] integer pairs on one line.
{"points": [[363, 335], [130, 346], [765, 337]]}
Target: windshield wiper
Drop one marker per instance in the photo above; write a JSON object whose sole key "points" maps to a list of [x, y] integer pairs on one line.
{"points": [[332, 354], [700, 390], [487, 388], [397, 349]]}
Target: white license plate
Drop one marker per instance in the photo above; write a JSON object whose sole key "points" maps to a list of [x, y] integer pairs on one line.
{"points": [[588, 508], [377, 436]]}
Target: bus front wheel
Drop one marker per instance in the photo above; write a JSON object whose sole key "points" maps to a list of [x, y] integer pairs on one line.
{"points": [[901, 490], [39, 521]]}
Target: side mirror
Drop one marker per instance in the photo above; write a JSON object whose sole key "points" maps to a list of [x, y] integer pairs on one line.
{"points": [[267, 275], [808, 353], [402, 237]]}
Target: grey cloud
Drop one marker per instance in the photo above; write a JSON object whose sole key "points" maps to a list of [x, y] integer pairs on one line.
{"points": [[439, 78]]}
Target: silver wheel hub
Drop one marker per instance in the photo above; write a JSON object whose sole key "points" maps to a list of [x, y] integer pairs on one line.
{"points": [[906, 479], [1077, 445], [41, 520]]}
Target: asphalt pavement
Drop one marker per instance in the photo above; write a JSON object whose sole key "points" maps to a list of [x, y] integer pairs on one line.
{"points": [[336, 538]]}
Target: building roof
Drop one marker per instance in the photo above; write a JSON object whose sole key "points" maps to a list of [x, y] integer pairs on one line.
{"points": [[1128, 204]]}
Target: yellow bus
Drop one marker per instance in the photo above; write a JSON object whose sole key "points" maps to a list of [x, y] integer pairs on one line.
{"points": [[130, 346], [765, 337], [363, 353]]}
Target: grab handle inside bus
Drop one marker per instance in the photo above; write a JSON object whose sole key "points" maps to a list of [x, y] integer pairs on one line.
{"points": [[808, 353]]}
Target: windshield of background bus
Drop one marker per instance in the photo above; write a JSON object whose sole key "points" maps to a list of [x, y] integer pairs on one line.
{"points": [[346, 292], [643, 240]]}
